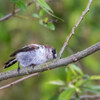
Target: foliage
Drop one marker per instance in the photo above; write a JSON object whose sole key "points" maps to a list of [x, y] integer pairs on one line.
{"points": [[45, 7], [76, 83], [20, 4], [42, 23]]}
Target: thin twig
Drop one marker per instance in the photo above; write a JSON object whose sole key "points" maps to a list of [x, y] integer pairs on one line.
{"points": [[17, 81], [90, 97], [17, 10], [74, 28], [24, 17], [52, 64]]}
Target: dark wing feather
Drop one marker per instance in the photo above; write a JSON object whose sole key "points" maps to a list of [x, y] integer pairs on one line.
{"points": [[24, 49]]}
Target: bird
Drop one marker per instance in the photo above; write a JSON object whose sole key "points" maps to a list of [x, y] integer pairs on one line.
{"points": [[32, 55]]}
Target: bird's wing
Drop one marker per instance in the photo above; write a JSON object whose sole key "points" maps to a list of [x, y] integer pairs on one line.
{"points": [[24, 49]]}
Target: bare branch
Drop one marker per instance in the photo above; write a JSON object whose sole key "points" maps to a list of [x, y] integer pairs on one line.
{"points": [[74, 28], [90, 97], [17, 81], [14, 12], [72, 52], [51, 65]]}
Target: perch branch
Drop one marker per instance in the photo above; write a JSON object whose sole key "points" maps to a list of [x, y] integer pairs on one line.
{"points": [[14, 12], [51, 65], [74, 28]]}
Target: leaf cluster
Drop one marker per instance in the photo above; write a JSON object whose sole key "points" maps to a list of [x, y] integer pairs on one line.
{"points": [[76, 84]]}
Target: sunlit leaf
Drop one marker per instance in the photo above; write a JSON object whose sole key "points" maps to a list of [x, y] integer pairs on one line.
{"points": [[69, 75], [42, 13], [73, 71], [53, 15], [67, 94], [77, 69], [95, 77], [46, 7], [21, 5], [59, 82], [47, 24], [51, 26], [80, 82], [46, 20], [35, 15]]}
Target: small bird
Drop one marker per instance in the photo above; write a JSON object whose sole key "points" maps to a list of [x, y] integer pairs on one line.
{"points": [[31, 55]]}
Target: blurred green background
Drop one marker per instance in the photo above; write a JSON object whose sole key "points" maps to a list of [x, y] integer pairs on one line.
{"points": [[17, 32]]}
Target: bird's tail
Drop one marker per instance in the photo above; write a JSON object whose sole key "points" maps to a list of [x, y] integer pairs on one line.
{"points": [[10, 62]]}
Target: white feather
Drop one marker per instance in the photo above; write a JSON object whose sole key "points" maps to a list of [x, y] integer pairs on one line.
{"points": [[36, 57]]}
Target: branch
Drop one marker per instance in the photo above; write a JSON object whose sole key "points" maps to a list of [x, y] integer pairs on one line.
{"points": [[74, 28], [90, 97], [72, 52], [17, 81], [51, 65], [17, 10]]}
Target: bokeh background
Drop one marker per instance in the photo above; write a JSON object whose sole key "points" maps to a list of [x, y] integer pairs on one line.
{"points": [[18, 32]]}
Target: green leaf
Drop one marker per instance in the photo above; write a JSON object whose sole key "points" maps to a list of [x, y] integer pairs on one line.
{"points": [[77, 69], [95, 77], [35, 15], [58, 82], [51, 26], [93, 88], [46, 7], [46, 20], [84, 81], [21, 5], [67, 94], [80, 82], [73, 71], [42, 13], [47, 24], [69, 75]]}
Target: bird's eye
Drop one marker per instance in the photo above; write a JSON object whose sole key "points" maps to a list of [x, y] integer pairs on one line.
{"points": [[54, 53]]}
